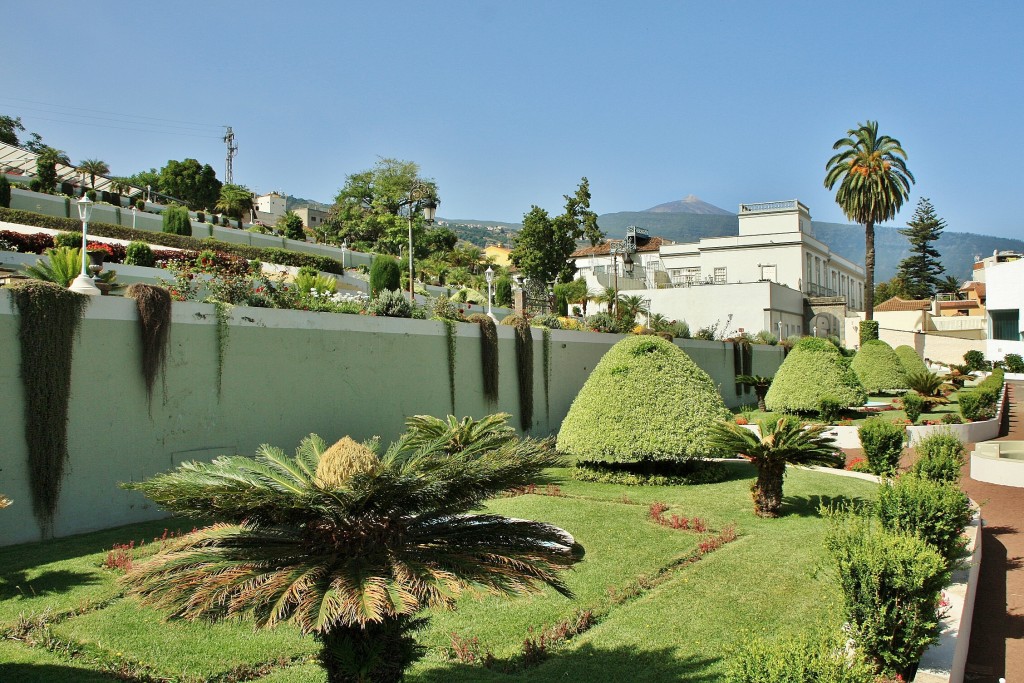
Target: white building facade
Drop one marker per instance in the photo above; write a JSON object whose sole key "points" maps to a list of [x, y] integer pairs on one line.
{"points": [[774, 275], [1004, 282]]}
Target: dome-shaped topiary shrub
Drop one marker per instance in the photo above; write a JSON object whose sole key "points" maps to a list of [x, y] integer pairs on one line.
{"points": [[909, 359], [878, 367], [645, 400], [814, 370]]}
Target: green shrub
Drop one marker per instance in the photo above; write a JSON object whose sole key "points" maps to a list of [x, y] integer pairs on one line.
{"points": [[913, 406], [971, 405], [91, 194], [322, 284], [68, 239], [766, 337], [5, 191], [140, 204], [290, 226], [200, 216], [62, 266], [1014, 363], [830, 410], [935, 511], [891, 584], [925, 383], [651, 472], [224, 221], [882, 442], [815, 657], [384, 275], [176, 221], [604, 322], [812, 371], [868, 331], [909, 359], [445, 309], [390, 303], [657, 383], [139, 254], [940, 457], [548, 320], [952, 419], [878, 367], [975, 360]]}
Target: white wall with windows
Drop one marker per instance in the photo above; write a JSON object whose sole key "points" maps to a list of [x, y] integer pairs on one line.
{"points": [[1004, 305]]}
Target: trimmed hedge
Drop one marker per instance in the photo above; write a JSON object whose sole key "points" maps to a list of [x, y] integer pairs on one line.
{"points": [[882, 442], [868, 330], [282, 257], [645, 400], [813, 371], [909, 359], [878, 367], [935, 511]]}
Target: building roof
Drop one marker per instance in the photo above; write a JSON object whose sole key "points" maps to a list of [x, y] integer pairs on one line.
{"points": [[973, 286], [604, 249], [898, 304]]}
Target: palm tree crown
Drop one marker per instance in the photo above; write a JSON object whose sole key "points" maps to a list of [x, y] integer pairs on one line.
{"points": [[349, 545], [93, 168], [874, 182]]}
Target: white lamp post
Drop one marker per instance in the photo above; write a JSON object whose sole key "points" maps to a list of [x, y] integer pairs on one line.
{"points": [[780, 329], [135, 213], [489, 274], [344, 246], [83, 284]]}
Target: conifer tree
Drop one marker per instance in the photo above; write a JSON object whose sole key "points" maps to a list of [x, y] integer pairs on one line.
{"points": [[922, 271]]}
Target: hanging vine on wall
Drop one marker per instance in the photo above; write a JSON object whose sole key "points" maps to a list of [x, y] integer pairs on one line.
{"points": [[223, 313], [449, 329], [488, 355], [742, 364], [524, 368], [154, 307], [546, 335], [49, 315]]}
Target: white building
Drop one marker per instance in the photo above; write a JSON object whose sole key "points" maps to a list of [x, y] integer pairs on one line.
{"points": [[1004, 284], [270, 208], [774, 275]]}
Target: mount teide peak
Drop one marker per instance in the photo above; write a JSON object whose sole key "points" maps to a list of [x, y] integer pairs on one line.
{"points": [[690, 204]]}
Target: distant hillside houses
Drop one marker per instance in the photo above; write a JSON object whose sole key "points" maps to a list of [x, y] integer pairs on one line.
{"points": [[774, 275]]}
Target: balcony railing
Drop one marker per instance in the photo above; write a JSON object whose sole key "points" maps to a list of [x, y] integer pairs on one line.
{"points": [[769, 206], [820, 290]]}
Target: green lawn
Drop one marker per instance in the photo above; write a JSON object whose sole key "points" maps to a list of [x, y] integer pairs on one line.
{"points": [[657, 616], [858, 418]]}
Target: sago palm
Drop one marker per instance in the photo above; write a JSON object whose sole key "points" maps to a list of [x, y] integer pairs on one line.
{"points": [[873, 182], [351, 546], [782, 441], [759, 384], [62, 265]]}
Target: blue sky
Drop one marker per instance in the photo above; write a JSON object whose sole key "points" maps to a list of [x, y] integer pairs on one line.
{"points": [[508, 104]]}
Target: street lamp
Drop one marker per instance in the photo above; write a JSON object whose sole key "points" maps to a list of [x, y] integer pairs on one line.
{"points": [[429, 206], [83, 284], [489, 274], [615, 248], [135, 213], [344, 246], [780, 328]]}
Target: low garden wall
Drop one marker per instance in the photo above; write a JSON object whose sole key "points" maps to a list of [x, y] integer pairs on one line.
{"points": [[283, 375]]}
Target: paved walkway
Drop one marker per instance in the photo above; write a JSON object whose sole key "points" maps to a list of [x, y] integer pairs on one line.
{"points": [[997, 632]]}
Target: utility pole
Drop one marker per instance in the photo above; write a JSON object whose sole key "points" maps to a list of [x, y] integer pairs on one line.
{"points": [[229, 139]]}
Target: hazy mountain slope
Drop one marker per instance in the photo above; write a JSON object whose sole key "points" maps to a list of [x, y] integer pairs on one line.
{"points": [[689, 204]]}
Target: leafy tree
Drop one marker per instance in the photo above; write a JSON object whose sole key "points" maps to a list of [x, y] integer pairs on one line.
{"points": [[922, 271], [193, 183], [9, 127], [439, 240], [786, 440], [503, 291], [373, 205], [46, 169], [144, 179], [890, 288], [93, 168], [235, 200], [351, 546], [290, 224], [542, 247], [873, 182], [575, 293]]}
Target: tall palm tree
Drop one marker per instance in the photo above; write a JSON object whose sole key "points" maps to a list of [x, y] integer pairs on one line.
{"points": [[235, 200], [351, 546], [781, 441], [93, 168], [873, 182]]}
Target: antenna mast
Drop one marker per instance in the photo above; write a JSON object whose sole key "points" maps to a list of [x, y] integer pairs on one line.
{"points": [[229, 138]]}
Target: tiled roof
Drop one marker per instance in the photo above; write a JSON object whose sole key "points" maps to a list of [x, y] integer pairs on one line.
{"points": [[898, 304], [603, 249], [972, 285], [969, 303]]}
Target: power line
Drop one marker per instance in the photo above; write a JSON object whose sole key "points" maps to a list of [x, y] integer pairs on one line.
{"points": [[137, 130], [113, 113], [104, 118]]}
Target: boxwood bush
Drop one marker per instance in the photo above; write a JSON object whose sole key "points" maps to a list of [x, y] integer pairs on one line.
{"points": [[645, 400], [909, 359], [814, 370], [882, 442], [935, 511], [878, 367], [940, 457]]}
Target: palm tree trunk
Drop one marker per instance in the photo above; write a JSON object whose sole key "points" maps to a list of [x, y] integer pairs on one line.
{"points": [[767, 489], [761, 393], [869, 270], [376, 653]]}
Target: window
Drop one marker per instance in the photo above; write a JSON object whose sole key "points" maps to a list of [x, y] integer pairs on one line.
{"points": [[1006, 324], [719, 276], [810, 271], [768, 273], [691, 275]]}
